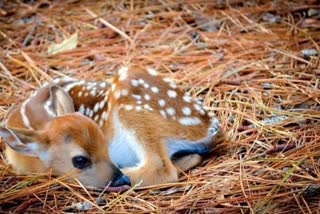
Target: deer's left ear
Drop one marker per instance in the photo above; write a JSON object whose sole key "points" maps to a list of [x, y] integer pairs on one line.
{"points": [[26, 141], [61, 101]]}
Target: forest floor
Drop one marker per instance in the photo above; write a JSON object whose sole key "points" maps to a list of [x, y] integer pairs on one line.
{"points": [[255, 64]]}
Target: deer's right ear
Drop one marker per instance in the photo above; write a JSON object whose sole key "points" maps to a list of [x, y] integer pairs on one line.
{"points": [[61, 101], [26, 141]]}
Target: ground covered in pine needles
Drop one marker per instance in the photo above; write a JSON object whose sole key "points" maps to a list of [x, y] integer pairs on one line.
{"points": [[254, 63]]}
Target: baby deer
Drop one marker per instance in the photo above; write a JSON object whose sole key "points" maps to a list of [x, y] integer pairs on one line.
{"points": [[141, 123]]}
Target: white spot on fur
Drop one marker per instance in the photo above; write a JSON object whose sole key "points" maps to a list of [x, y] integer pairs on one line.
{"points": [[199, 108], [168, 80], [163, 114], [170, 111], [138, 108], [172, 93], [186, 111], [146, 85], [124, 92], [123, 72], [148, 107], [187, 98], [189, 121], [102, 103], [147, 97], [80, 94], [152, 72], [101, 123], [128, 107], [134, 82], [103, 84], [162, 102], [96, 118], [154, 89], [96, 108], [173, 85], [136, 96], [117, 94], [104, 115], [88, 110], [82, 109], [141, 81]]}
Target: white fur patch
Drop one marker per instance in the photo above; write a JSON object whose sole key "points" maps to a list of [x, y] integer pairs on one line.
{"points": [[172, 93], [117, 94], [104, 115], [152, 72], [170, 111], [162, 102], [163, 114], [82, 109], [103, 84], [154, 89], [136, 96], [189, 121], [96, 118], [168, 80], [102, 103], [101, 122], [125, 149], [128, 107], [173, 85], [141, 81], [24, 116], [47, 107], [147, 97], [186, 111], [123, 72], [96, 107], [124, 92], [134, 82], [87, 112], [187, 98], [148, 107]]}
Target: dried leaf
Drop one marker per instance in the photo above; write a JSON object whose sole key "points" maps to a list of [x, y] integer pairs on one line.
{"points": [[67, 44]]}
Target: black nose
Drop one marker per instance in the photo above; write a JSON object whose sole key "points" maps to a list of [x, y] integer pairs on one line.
{"points": [[120, 180]]}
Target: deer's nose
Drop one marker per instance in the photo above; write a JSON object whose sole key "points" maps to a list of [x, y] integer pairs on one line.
{"points": [[120, 179]]}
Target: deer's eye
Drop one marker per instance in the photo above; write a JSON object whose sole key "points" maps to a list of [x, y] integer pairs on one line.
{"points": [[81, 162]]}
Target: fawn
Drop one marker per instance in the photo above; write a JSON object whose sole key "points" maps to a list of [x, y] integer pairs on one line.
{"points": [[141, 126]]}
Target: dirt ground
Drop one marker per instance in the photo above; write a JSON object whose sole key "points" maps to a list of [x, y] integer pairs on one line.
{"points": [[254, 63]]}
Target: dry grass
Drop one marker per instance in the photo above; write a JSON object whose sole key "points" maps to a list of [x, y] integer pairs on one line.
{"points": [[245, 64]]}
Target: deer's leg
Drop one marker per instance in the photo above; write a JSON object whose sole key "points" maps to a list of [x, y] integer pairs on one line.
{"points": [[157, 168], [187, 162]]}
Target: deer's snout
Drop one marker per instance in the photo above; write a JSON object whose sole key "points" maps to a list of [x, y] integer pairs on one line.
{"points": [[119, 179]]}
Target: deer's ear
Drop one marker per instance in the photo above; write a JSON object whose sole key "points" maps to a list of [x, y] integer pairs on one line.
{"points": [[61, 101], [26, 141]]}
